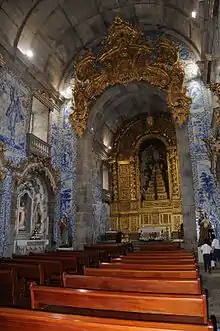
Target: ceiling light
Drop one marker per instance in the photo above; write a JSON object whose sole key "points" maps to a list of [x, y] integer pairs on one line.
{"points": [[109, 147], [193, 14], [29, 53], [67, 93]]}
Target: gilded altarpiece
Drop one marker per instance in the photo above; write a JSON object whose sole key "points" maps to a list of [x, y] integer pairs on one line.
{"points": [[145, 176]]}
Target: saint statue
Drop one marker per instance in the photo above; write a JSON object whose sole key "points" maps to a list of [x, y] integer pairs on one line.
{"points": [[205, 230], [63, 224], [22, 216]]}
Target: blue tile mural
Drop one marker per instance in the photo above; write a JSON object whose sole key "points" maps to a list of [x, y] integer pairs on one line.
{"points": [[15, 101], [64, 157], [207, 194]]}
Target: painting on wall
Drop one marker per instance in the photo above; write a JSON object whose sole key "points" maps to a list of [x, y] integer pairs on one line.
{"points": [[15, 106]]}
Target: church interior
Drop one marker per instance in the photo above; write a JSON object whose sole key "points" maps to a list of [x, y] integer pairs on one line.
{"points": [[110, 165]]}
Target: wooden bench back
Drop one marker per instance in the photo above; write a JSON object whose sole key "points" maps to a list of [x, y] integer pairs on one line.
{"points": [[49, 267], [132, 285], [113, 250], [88, 257], [30, 272], [58, 263], [27, 320], [128, 260], [8, 285], [144, 266], [157, 307], [160, 247], [69, 261], [160, 274], [162, 254]]}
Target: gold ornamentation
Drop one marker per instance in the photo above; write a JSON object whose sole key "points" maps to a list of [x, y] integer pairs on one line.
{"points": [[215, 88], [157, 213], [124, 223], [216, 118], [4, 164], [114, 180], [213, 150], [174, 173], [37, 165], [127, 57], [133, 179]]}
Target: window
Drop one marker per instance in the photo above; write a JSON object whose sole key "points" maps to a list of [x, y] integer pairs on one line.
{"points": [[105, 178], [39, 122]]}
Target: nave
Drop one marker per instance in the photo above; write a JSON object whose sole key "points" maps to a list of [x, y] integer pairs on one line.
{"points": [[106, 286]]}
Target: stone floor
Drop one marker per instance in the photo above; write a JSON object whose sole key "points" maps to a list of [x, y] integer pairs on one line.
{"points": [[212, 283]]}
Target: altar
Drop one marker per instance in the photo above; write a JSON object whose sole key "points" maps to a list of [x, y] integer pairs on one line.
{"points": [[154, 233]]}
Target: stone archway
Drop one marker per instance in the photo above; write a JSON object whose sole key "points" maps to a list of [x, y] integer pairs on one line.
{"points": [[126, 58]]}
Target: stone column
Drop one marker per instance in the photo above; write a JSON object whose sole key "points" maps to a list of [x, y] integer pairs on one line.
{"points": [[187, 191], [84, 198]]}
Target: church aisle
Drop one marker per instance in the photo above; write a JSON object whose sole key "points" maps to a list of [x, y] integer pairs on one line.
{"points": [[212, 283]]}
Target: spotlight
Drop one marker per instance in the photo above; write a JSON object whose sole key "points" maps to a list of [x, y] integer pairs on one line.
{"points": [[29, 53], [67, 93], [193, 14]]}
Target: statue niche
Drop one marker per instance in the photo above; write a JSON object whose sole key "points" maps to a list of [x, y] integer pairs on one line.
{"points": [[32, 213], [154, 181]]}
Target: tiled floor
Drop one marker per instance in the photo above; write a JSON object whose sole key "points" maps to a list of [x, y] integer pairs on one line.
{"points": [[212, 283]]}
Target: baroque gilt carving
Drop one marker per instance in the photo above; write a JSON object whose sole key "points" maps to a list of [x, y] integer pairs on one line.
{"points": [[37, 165], [4, 163], [161, 212], [126, 57]]}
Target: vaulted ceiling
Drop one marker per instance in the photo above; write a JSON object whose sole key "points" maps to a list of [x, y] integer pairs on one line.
{"points": [[57, 31]]}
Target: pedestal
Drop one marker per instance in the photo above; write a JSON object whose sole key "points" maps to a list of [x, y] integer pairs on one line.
{"points": [[28, 246]]}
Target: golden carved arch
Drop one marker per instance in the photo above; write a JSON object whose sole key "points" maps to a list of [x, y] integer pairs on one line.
{"points": [[126, 57]]}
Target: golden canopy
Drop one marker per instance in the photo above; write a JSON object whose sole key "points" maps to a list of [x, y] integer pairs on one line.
{"points": [[126, 57]]}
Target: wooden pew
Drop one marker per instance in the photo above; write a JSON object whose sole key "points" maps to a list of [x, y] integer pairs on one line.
{"points": [[132, 273], [171, 254], [114, 250], [8, 286], [129, 260], [160, 247], [133, 285], [27, 320], [144, 266], [88, 258], [61, 263], [52, 269], [125, 305], [25, 274], [29, 272]]}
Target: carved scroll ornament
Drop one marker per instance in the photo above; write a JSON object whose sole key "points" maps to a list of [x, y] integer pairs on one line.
{"points": [[126, 57]]}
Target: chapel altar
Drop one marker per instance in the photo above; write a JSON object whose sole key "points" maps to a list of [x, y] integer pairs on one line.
{"points": [[145, 178]]}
